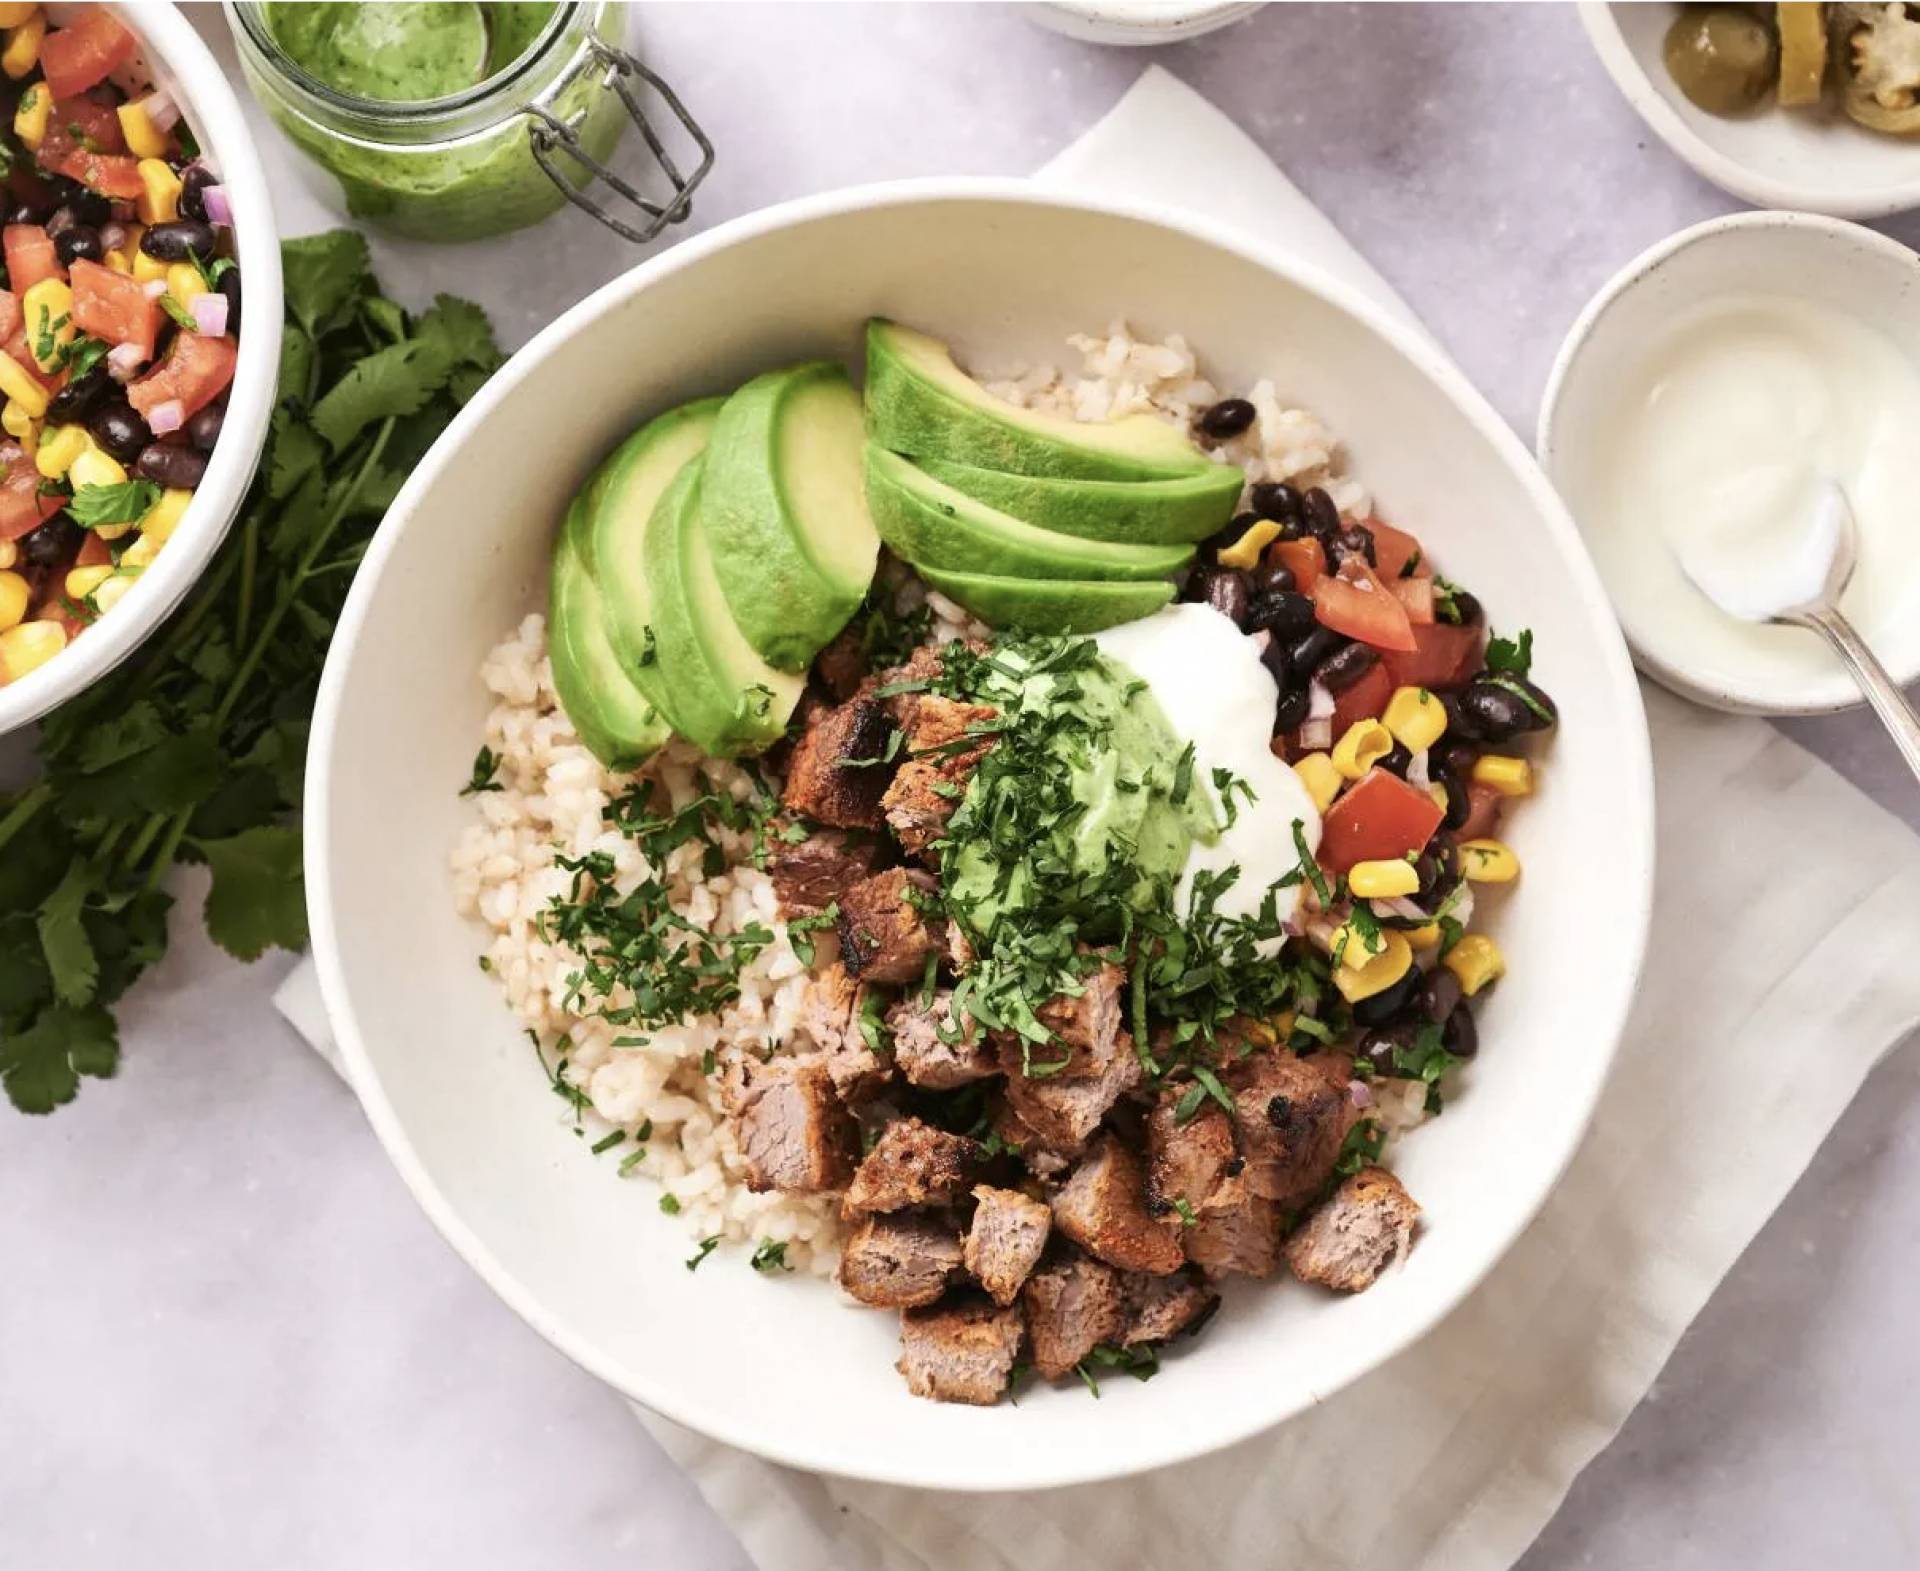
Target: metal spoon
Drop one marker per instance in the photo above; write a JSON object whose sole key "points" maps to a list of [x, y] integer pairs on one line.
{"points": [[1777, 590]]}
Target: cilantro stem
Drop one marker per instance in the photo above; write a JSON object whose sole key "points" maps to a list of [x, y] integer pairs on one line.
{"points": [[23, 811], [143, 840], [249, 559]]}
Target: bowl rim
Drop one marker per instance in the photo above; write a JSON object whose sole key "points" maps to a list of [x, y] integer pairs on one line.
{"points": [[1633, 825], [1706, 160], [1833, 691], [214, 108]]}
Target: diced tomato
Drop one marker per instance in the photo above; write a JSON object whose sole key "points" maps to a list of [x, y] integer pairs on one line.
{"points": [[114, 306], [1484, 807], [22, 508], [1393, 549], [21, 353], [1443, 656], [1416, 594], [10, 314], [196, 371], [82, 120], [85, 52], [1381, 818], [1365, 700], [1361, 609], [1303, 558], [30, 256], [94, 552], [112, 174]]}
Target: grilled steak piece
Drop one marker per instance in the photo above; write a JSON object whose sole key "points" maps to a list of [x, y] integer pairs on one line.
{"points": [[1236, 1231], [842, 666], [900, 1262], [826, 778], [884, 935], [920, 669], [912, 1164], [810, 876], [1058, 1115], [1073, 1304], [1086, 1023], [1290, 1117], [930, 1062], [1186, 1162], [1103, 1208], [791, 1128], [1004, 1243], [1159, 1308], [831, 1016], [960, 1351], [939, 761], [1366, 1226]]}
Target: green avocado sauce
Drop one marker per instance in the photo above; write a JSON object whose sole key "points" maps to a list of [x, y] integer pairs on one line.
{"points": [[406, 50]]}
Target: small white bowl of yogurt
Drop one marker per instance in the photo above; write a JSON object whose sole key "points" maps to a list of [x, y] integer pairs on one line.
{"points": [[1702, 396]]}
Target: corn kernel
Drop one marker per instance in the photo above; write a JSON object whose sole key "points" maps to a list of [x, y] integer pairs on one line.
{"points": [[47, 321], [1488, 862], [14, 15], [59, 448], [1475, 961], [15, 421], [1508, 776], [164, 516], [22, 52], [142, 552], [1375, 975], [9, 554], [184, 281], [1383, 880], [160, 199], [14, 594], [1283, 1025], [82, 581], [117, 263], [94, 467], [1244, 553], [1438, 793], [144, 138], [29, 645], [114, 531], [19, 385], [1415, 717], [113, 591], [31, 115], [1364, 745], [147, 268], [1321, 779], [1424, 937]]}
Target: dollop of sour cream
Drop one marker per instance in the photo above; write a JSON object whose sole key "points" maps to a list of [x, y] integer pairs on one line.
{"points": [[1207, 678], [1725, 432]]}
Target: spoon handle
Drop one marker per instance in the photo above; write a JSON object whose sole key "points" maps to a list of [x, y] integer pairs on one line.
{"points": [[1889, 703]]}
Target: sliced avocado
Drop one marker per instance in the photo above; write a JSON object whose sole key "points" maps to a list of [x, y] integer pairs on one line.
{"points": [[919, 402], [1049, 605], [785, 512], [618, 724], [929, 524], [621, 500], [722, 696], [1138, 512]]}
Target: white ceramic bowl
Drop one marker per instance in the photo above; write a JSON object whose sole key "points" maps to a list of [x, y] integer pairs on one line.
{"points": [[176, 59], [1837, 264], [785, 1368], [1816, 160], [1141, 23]]}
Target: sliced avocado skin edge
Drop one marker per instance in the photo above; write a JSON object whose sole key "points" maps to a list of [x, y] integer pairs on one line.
{"points": [[788, 604], [1129, 512], [911, 413], [931, 525], [1050, 605]]}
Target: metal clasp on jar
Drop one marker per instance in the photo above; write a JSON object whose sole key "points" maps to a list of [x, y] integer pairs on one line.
{"points": [[549, 132]]}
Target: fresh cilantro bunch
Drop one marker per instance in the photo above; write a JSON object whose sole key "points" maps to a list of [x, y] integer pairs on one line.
{"points": [[192, 751]]}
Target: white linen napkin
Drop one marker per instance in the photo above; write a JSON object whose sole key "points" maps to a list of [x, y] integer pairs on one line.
{"points": [[1471, 1438]]}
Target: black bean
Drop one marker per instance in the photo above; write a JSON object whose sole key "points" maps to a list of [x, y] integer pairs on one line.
{"points": [[193, 191], [1322, 517], [203, 430], [25, 213], [121, 433], [1437, 868], [168, 464], [1543, 712], [1274, 658], [1314, 647], [1230, 535], [1286, 614], [81, 243], [1460, 724], [1439, 994], [1397, 760], [1356, 540], [1495, 713], [1378, 1045], [1459, 804], [1221, 588], [87, 206], [1468, 607], [52, 543], [80, 397], [1228, 418], [1291, 711], [1271, 578], [230, 291], [1389, 1001], [178, 241], [1341, 669], [1277, 500], [1460, 1036], [1457, 758]]}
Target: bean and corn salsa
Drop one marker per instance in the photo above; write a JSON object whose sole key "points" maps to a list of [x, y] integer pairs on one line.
{"points": [[119, 324]]}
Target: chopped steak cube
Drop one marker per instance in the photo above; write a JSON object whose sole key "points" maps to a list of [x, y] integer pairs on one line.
{"points": [[1236, 1231], [1103, 1208], [962, 1351], [885, 936], [842, 666], [827, 780], [791, 1128], [959, 950], [1061, 1115], [1290, 1117], [1185, 1162], [912, 1164], [1159, 1308], [1073, 1304], [898, 1262], [831, 1018], [1366, 1226], [921, 667], [1086, 1023], [810, 876], [1014, 1133], [1009, 1230], [924, 1057], [938, 764]]}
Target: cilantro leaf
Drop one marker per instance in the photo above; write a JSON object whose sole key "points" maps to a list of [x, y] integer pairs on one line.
{"points": [[1511, 657], [458, 330], [41, 1066], [297, 453], [396, 380], [63, 938], [95, 506], [321, 274], [259, 894]]}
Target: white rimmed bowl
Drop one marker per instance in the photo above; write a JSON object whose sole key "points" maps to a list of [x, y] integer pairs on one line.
{"points": [[1815, 159], [1826, 260], [1141, 23], [176, 59], [784, 1368]]}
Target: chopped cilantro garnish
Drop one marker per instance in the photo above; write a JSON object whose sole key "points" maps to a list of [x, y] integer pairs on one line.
{"points": [[707, 1247], [609, 1141], [102, 506], [486, 765], [1511, 657], [670, 1204], [769, 1256]]}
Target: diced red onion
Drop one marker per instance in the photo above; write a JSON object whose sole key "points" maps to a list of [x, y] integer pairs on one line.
{"points": [[154, 288], [1401, 907], [161, 110], [1459, 905], [1319, 701], [1260, 641], [219, 205], [124, 361], [1316, 734], [167, 417], [1360, 1093], [210, 314], [113, 235], [1417, 775]]}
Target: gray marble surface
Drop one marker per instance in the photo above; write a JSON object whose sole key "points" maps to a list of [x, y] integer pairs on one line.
{"points": [[227, 1336]]}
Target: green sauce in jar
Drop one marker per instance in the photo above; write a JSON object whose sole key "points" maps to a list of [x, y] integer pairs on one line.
{"points": [[406, 50]]}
